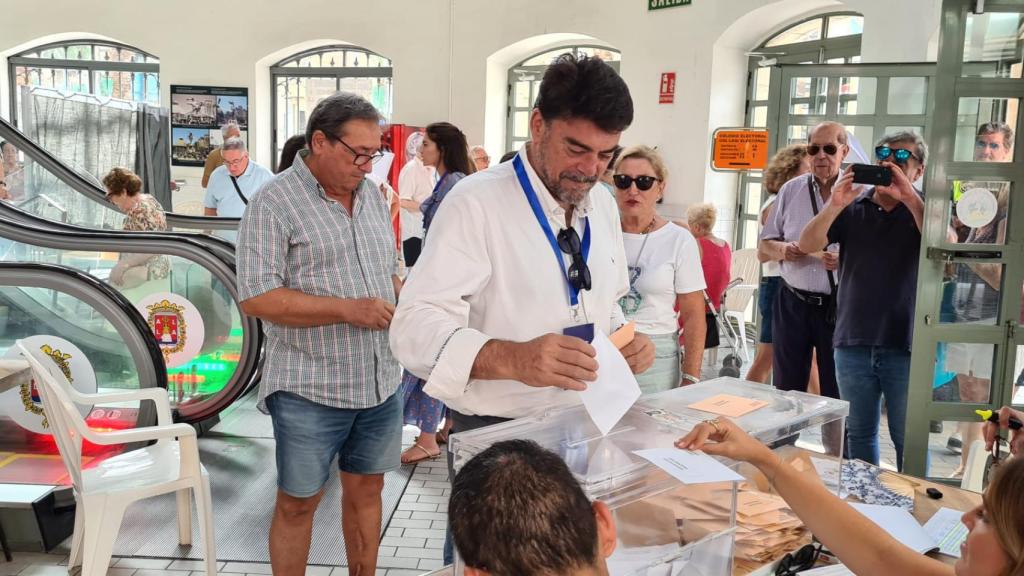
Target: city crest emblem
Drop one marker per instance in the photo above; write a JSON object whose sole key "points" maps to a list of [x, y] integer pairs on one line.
{"points": [[30, 398], [167, 321]]}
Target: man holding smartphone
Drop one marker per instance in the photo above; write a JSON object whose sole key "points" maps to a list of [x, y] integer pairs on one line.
{"points": [[879, 230]]}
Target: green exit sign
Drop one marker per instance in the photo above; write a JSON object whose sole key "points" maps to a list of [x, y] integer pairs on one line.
{"points": [[659, 4]]}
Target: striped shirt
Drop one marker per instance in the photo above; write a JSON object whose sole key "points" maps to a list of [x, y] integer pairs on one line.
{"points": [[293, 236]]}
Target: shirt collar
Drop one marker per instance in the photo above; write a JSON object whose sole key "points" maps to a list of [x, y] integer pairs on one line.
{"points": [[548, 203]]}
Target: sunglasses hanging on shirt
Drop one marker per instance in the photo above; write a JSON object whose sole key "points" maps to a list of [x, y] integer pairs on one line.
{"points": [[830, 149], [579, 272], [643, 183], [897, 155]]}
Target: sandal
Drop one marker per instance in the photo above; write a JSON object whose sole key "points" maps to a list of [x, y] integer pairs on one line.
{"points": [[426, 455]]}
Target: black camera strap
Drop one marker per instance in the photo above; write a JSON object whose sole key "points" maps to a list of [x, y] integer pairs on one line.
{"points": [[811, 188], [234, 182]]}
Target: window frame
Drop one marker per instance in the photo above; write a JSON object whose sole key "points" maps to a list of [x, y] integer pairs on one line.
{"points": [[282, 72], [92, 66], [537, 71]]}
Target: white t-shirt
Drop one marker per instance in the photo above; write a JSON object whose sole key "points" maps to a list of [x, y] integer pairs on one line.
{"points": [[415, 182], [669, 265]]}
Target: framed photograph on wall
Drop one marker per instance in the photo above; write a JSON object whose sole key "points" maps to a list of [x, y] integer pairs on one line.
{"points": [[197, 113]]}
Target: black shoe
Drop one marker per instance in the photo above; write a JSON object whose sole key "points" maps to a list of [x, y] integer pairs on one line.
{"points": [[955, 445], [936, 427]]}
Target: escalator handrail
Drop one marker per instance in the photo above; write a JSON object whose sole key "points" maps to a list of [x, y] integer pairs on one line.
{"points": [[112, 305], [162, 244], [218, 246], [88, 189]]}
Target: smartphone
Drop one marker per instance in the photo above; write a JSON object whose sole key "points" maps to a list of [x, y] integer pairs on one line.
{"points": [[871, 174]]}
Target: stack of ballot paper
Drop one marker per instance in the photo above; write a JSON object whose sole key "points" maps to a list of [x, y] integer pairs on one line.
{"points": [[766, 527]]}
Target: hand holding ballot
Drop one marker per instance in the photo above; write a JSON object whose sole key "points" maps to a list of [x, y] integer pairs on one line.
{"points": [[722, 437], [549, 360]]}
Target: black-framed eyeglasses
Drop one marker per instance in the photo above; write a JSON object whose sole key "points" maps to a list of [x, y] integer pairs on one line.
{"points": [[830, 149], [359, 159], [579, 272], [643, 183], [898, 155], [802, 559]]}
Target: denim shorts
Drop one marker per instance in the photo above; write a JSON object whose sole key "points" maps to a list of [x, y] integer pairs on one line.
{"points": [[310, 435], [767, 294]]}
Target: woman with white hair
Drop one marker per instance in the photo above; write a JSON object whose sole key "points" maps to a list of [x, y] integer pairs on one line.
{"points": [[715, 260]]}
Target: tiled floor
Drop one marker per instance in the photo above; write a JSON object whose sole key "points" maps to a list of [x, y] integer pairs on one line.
{"points": [[411, 545]]}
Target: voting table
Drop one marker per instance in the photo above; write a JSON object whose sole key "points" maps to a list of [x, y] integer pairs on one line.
{"points": [[667, 522]]}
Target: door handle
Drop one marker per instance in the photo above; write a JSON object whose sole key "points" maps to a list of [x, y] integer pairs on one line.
{"points": [[947, 255]]}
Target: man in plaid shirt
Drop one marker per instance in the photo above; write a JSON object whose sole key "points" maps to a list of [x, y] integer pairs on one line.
{"points": [[317, 263]]}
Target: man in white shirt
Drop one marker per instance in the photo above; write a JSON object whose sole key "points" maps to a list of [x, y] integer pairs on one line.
{"points": [[483, 315], [415, 185], [233, 184]]}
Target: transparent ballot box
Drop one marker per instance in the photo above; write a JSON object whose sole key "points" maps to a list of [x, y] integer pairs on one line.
{"points": [[663, 525]]}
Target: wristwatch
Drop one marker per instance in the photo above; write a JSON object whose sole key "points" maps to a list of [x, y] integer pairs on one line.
{"points": [[690, 379]]}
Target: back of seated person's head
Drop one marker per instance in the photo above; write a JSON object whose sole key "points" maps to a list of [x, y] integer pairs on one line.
{"points": [[508, 156], [517, 510]]}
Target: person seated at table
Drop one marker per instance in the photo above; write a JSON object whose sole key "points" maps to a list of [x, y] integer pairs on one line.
{"points": [[995, 539], [516, 509]]}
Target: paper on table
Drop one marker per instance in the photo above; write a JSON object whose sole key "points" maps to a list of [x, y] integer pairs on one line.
{"points": [[946, 528], [689, 467], [608, 398], [753, 503], [899, 524], [728, 405]]}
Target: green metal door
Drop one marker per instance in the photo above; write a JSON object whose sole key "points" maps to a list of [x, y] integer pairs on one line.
{"points": [[968, 343], [869, 99]]}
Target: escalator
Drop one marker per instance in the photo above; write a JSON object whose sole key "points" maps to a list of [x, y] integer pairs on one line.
{"points": [[57, 191], [61, 217], [227, 354], [96, 331]]}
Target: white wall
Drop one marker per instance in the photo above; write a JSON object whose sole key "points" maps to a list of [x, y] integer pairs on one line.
{"points": [[450, 56]]}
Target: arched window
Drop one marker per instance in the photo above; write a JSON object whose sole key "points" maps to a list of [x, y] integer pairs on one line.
{"points": [[102, 68], [304, 79], [524, 82], [827, 39]]}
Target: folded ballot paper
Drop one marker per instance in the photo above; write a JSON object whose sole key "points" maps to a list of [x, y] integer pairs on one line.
{"points": [[608, 398]]}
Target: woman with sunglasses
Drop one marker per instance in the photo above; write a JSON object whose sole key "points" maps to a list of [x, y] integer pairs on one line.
{"points": [[995, 539], [142, 213], [664, 272], [445, 149]]}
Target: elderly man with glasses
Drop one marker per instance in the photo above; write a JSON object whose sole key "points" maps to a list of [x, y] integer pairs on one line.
{"points": [[804, 314], [317, 263], [879, 230], [233, 184]]}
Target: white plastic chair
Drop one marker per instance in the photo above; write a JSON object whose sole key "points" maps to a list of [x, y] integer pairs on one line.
{"points": [[104, 491], [746, 269]]}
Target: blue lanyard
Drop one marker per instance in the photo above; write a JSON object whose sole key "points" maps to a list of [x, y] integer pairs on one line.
{"points": [[531, 197]]}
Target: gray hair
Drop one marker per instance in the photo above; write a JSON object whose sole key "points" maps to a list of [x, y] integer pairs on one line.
{"points": [[1002, 127], [233, 143], [478, 147], [333, 112], [227, 128], [907, 136]]}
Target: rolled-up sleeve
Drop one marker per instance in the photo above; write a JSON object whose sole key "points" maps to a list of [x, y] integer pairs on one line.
{"points": [[430, 332], [261, 250]]}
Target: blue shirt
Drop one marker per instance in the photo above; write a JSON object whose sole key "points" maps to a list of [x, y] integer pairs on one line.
{"points": [[878, 258], [221, 194], [441, 189]]}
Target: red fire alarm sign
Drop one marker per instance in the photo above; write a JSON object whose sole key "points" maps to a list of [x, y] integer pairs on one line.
{"points": [[667, 92]]}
